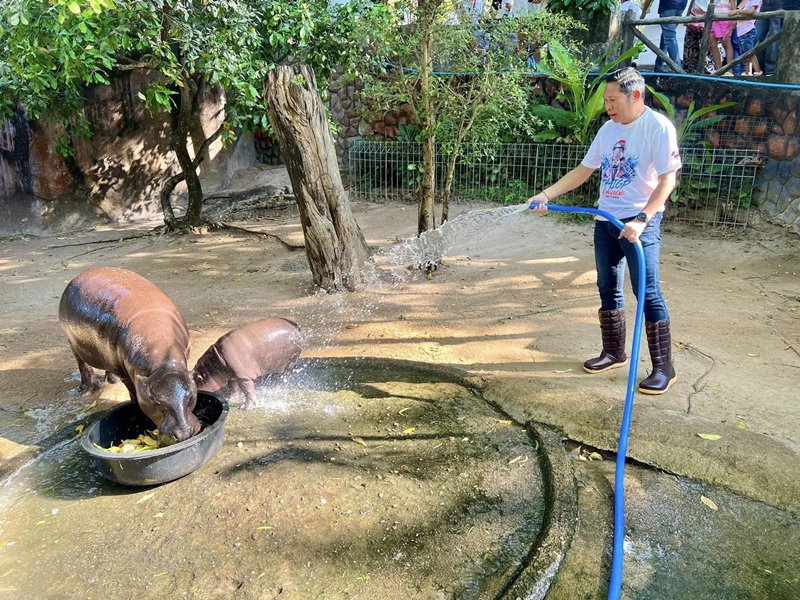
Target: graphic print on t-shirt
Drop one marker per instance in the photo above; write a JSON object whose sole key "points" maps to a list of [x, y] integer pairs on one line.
{"points": [[617, 169]]}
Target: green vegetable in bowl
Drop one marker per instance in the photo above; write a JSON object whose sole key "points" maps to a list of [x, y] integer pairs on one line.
{"points": [[149, 440]]}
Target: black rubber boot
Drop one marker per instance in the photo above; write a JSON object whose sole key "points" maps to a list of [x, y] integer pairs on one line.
{"points": [[612, 328], [663, 376]]}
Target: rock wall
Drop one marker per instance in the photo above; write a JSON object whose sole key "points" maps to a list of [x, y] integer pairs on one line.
{"points": [[776, 109], [120, 169], [765, 118]]}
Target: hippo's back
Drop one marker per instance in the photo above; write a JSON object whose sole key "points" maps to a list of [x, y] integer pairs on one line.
{"points": [[261, 347], [112, 315]]}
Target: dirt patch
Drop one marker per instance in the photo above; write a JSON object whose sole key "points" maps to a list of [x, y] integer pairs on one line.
{"points": [[515, 298]]}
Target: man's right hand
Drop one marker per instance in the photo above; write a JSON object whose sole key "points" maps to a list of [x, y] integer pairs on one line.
{"points": [[541, 200]]}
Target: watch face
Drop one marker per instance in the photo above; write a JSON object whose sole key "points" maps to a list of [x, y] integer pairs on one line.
{"points": [[642, 217]]}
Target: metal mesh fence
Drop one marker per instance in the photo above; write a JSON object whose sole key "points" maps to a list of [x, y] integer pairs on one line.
{"points": [[715, 187]]}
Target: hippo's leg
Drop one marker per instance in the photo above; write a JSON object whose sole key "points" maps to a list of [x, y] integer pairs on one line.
{"points": [[89, 381], [112, 377], [248, 388]]}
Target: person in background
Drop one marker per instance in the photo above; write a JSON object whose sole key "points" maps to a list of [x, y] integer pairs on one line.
{"points": [[669, 36], [693, 39], [502, 8], [637, 154], [630, 5], [746, 32], [768, 57], [721, 32]]}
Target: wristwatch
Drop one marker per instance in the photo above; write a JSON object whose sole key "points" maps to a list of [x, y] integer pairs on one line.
{"points": [[642, 216]]}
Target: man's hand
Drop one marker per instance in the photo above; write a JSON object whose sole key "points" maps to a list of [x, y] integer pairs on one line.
{"points": [[541, 199], [632, 231]]}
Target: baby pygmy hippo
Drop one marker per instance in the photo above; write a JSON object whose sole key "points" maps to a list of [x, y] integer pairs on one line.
{"points": [[242, 356]]}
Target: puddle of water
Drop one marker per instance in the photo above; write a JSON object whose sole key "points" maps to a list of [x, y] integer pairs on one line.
{"points": [[389, 487]]}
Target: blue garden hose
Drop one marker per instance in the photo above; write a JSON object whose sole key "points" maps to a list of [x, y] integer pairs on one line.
{"points": [[615, 585]]}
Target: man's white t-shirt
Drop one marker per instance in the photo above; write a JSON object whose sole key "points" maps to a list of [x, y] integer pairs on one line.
{"points": [[631, 158]]}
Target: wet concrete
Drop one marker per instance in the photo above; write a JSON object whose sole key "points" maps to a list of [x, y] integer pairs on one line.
{"points": [[383, 478], [677, 546], [373, 482]]}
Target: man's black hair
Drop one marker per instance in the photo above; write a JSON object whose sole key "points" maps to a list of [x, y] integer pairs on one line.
{"points": [[628, 79]]}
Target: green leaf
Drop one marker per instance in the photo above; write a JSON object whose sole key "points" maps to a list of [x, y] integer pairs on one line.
{"points": [[74, 7], [664, 101], [596, 103]]}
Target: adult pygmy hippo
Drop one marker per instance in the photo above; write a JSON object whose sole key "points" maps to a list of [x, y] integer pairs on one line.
{"points": [[242, 356], [119, 321]]}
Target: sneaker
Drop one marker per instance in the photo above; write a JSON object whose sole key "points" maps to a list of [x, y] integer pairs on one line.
{"points": [[727, 74]]}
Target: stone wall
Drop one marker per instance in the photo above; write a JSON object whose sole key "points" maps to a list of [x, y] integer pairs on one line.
{"points": [[768, 122], [777, 188], [122, 167]]}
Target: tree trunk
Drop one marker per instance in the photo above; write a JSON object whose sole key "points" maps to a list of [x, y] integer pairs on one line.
{"points": [[335, 247], [448, 182], [426, 219], [181, 119]]}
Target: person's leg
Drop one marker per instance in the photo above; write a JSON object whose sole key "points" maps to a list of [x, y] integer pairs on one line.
{"points": [[669, 40], [609, 260], [737, 51], [728, 46], [610, 265], [762, 31], [771, 52], [655, 307], [755, 68], [747, 42], [715, 55], [657, 321], [691, 50]]}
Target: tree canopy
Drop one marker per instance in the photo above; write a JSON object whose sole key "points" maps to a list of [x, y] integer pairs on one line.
{"points": [[462, 73], [55, 49]]}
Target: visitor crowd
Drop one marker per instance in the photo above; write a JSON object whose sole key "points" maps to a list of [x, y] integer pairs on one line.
{"points": [[728, 39]]}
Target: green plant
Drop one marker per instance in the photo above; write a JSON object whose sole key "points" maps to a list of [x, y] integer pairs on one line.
{"points": [[586, 11], [582, 95], [688, 128], [408, 134]]}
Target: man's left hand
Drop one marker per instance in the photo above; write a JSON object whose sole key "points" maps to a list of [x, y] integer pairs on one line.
{"points": [[632, 231]]}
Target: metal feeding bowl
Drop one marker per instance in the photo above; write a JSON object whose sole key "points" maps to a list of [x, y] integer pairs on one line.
{"points": [[152, 467]]}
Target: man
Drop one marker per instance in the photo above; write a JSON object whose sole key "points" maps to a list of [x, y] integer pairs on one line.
{"points": [[634, 193], [669, 35]]}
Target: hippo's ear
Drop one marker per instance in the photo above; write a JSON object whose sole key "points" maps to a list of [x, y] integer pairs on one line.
{"points": [[142, 386]]}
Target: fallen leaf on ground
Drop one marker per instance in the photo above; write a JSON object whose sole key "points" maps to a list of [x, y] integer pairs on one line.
{"points": [[709, 436], [408, 430], [359, 441], [708, 502], [145, 498]]}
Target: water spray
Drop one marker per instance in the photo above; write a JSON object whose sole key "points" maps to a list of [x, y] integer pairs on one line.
{"points": [[615, 585]]}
